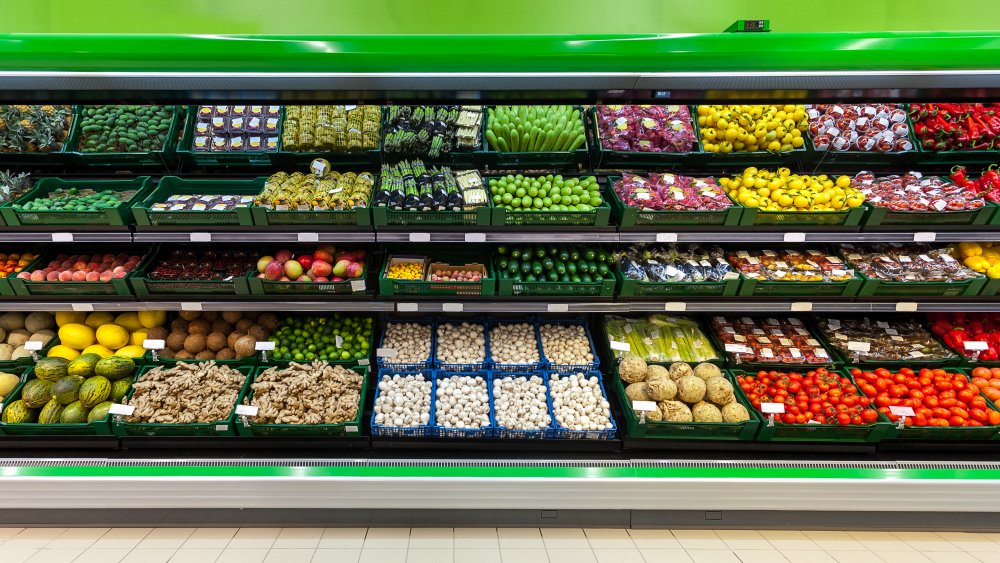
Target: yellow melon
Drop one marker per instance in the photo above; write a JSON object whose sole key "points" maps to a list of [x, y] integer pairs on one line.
{"points": [[112, 336], [101, 351], [98, 318], [131, 351], [128, 320], [62, 351], [149, 319], [75, 335], [138, 337], [67, 317]]}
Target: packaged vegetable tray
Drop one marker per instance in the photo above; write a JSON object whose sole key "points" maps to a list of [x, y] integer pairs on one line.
{"points": [[643, 135], [480, 283], [449, 134], [675, 270], [656, 201], [658, 339], [245, 425], [507, 146], [635, 427], [904, 270], [322, 198], [231, 135], [890, 342], [167, 206], [768, 342], [862, 134], [119, 215], [94, 142], [348, 135], [812, 272], [411, 194], [913, 200]]}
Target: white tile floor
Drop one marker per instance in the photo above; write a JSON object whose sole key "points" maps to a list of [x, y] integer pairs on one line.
{"points": [[488, 545]]}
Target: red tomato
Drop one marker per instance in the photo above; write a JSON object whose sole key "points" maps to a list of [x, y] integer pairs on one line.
{"points": [[956, 421], [869, 416], [993, 417]]}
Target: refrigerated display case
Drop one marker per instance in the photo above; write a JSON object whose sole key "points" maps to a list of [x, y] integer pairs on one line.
{"points": [[557, 475]]}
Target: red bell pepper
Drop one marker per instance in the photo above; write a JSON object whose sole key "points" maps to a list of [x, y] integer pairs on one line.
{"points": [[958, 174], [955, 338]]}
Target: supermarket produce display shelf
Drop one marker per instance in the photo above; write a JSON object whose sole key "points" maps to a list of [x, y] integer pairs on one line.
{"points": [[520, 305], [565, 235], [680, 490]]}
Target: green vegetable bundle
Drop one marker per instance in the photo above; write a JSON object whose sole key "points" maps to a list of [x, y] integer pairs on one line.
{"points": [[535, 129], [661, 338]]}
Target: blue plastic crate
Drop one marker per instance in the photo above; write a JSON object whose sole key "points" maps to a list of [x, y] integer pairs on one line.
{"points": [[593, 366], [567, 434], [465, 433], [423, 431], [519, 368], [480, 366], [504, 433], [387, 363]]}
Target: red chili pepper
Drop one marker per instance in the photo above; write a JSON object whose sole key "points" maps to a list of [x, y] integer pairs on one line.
{"points": [[943, 125], [994, 122], [971, 128], [958, 174], [954, 109], [984, 128], [990, 177]]}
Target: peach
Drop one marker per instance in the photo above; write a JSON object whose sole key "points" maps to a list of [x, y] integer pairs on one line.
{"points": [[52, 276], [37, 276], [105, 276], [65, 276], [79, 276], [121, 274], [93, 276]]}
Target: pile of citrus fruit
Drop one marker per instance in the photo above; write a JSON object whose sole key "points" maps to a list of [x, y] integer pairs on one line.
{"points": [[783, 191], [728, 129]]}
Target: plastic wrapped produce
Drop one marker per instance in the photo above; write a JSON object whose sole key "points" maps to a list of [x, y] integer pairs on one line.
{"points": [[646, 128], [859, 128], [916, 192], [673, 263], [907, 262], [865, 339], [810, 265], [659, 338], [670, 192], [769, 340]]}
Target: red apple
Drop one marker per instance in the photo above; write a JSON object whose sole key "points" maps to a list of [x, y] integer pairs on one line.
{"points": [[321, 268], [340, 268], [355, 269], [274, 270], [337, 279], [263, 262], [320, 279], [284, 279], [305, 260]]}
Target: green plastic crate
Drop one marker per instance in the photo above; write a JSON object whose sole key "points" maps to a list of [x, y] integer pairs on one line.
{"points": [[608, 158], [848, 160], [158, 159], [352, 428], [360, 216], [119, 216], [753, 217], [146, 287], [6, 288], [883, 216], [97, 428], [991, 287], [386, 217], [185, 149], [371, 158], [633, 217], [842, 358], [508, 287], [599, 217], [485, 287], [729, 358], [950, 433], [456, 159], [570, 159], [114, 287], [782, 432], [742, 431], [882, 288], [61, 158], [765, 288], [732, 160], [347, 288], [172, 185], [224, 427]]}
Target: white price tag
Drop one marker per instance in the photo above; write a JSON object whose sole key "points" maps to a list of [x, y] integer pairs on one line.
{"points": [[386, 352], [221, 427], [737, 348], [124, 410], [407, 307], [794, 237], [83, 307], [33, 345], [265, 345], [678, 306], [666, 237], [906, 307], [901, 410], [308, 237], [338, 341], [811, 421], [452, 307], [190, 306], [620, 346], [924, 237], [644, 406], [154, 344], [557, 307], [976, 345], [772, 408], [364, 362], [731, 276], [420, 237], [864, 347], [201, 237], [358, 285], [803, 306], [475, 237], [62, 237], [351, 428], [247, 410]]}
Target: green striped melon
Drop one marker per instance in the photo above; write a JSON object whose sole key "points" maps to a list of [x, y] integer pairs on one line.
{"points": [[119, 389], [36, 393], [115, 367], [51, 369], [99, 412], [94, 391], [50, 413], [74, 413], [67, 389], [18, 413], [83, 365]]}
